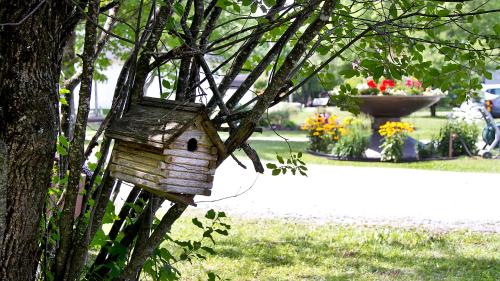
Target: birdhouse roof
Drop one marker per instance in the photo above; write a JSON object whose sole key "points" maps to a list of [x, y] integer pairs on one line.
{"points": [[157, 122]]}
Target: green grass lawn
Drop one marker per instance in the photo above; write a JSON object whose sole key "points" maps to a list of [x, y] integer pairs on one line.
{"points": [[288, 250]]}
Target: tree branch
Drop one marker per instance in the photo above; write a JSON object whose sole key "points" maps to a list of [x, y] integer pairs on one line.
{"points": [[77, 144], [140, 255], [280, 78]]}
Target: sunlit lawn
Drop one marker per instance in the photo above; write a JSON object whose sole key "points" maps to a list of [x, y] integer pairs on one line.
{"points": [[289, 250]]}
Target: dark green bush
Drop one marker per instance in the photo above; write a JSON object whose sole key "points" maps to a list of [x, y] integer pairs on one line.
{"points": [[459, 130]]}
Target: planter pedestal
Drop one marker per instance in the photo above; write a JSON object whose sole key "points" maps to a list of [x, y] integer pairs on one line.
{"points": [[392, 108], [409, 151]]}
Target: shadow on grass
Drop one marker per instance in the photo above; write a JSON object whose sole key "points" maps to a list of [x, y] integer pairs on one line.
{"points": [[377, 256]]}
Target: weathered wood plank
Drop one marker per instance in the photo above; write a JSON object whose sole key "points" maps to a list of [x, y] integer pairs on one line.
{"points": [[137, 166], [138, 146], [134, 180], [119, 136], [186, 168], [173, 197], [154, 188], [137, 158], [140, 154], [174, 105], [186, 161], [189, 154], [188, 183], [186, 190], [188, 176], [134, 172], [212, 164]]}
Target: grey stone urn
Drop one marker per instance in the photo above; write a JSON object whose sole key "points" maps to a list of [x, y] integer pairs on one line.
{"points": [[392, 108]]}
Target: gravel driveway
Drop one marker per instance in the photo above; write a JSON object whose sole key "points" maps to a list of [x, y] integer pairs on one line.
{"points": [[361, 195]]}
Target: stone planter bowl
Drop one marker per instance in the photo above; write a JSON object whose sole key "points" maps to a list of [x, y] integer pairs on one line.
{"points": [[394, 106]]}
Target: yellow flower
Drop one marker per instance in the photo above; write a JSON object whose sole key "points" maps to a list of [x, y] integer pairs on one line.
{"points": [[316, 134], [343, 131], [392, 128], [347, 121]]}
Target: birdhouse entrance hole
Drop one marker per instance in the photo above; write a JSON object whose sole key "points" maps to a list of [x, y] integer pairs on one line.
{"points": [[192, 145]]}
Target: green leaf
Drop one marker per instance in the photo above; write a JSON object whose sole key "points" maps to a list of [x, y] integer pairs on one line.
{"points": [[99, 238], [443, 12], [349, 73], [237, 8], [61, 150], [210, 214], [276, 172], [393, 11], [253, 7], [496, 28], [270, 3], [92, 166], [247, 2], [197, 223], [271, 166], [488, 75], [179, 8], [378, 72], [222, 232], [63, 91], [280, 159], [63, 141], [166, 84], [211, 276], [209, 250]]}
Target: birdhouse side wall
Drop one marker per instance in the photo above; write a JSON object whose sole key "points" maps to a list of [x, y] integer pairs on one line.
{"points": [[190, 163], [137, 164]]}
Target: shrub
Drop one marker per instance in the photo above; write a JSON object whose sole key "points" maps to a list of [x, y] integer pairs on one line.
{"points": [[394, 134], [458, 130], [354, 143]]}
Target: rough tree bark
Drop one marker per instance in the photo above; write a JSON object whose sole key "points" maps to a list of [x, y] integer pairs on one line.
{"points": [[31, 47]]}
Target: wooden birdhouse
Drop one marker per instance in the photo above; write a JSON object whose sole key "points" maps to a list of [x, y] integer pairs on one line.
{"points": [[167, 147]]}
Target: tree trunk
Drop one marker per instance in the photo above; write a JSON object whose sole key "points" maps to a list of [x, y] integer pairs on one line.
{"points": [[433, 110], [30, 57]]}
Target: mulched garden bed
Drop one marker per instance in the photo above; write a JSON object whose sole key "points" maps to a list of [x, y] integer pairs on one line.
{"points": [[372, 159]]}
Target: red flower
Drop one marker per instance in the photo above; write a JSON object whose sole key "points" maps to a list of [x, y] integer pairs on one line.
{"points": [[388, 83], [382, 87], [372, 84]]}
